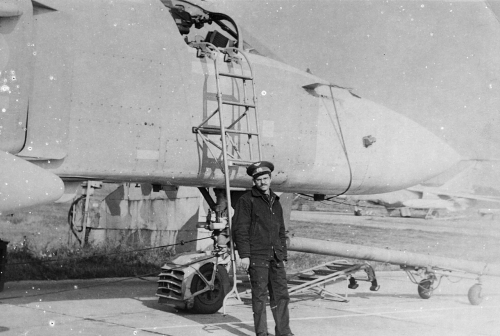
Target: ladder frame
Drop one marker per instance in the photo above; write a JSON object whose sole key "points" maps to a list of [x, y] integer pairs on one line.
{"points": [[208, 50], [343, 270]]}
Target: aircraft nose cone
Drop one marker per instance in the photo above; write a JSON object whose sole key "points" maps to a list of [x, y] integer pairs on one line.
{"points": [[400, 152]]}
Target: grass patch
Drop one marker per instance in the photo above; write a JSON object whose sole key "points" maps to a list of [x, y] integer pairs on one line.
{"points": [[41, 234], [82, 263]]}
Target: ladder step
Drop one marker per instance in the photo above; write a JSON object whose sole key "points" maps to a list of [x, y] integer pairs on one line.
{"points": [[307, 277], [339, 267], [227, 74], [226, 102], [207, 130], [240, 132], [241, 163], [216, 130], [239, 189], [323, 271]]}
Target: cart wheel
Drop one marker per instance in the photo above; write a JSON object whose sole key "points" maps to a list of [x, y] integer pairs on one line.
{"points": [[375, 286], [425, 289], [353, 284], [210, 302], [474, 295]]}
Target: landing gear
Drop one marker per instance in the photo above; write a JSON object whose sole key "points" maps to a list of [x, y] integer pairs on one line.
{"points": [[427, 285], [200, 281], [211, 301]]}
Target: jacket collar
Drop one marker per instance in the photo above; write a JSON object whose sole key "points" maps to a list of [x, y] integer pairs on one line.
{"points": [[257, 193]]}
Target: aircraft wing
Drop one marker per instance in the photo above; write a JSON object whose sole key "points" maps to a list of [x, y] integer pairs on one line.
{"points": [[454, 194]]}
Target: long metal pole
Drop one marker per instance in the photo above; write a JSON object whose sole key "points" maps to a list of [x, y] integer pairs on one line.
{"points": [[390, 256]]}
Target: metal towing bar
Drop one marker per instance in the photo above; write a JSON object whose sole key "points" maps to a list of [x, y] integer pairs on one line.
{"points": [[416, 265]]}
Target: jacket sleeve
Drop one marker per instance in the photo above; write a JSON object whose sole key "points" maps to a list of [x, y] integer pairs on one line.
{"points": [[242, 222], [282, 234]]}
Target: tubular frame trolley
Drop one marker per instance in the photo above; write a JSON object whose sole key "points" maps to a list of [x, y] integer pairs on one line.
{"points": [[316, 278]]}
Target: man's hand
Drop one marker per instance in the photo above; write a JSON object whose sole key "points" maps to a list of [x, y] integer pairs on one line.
{"points": [[245, 263]]}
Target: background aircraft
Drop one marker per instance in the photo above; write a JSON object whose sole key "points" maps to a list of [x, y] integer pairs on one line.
{"points": [[454, 190], [86, 97]]}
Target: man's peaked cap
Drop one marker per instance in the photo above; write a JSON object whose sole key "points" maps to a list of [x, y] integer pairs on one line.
{"points": [[259, 168]]}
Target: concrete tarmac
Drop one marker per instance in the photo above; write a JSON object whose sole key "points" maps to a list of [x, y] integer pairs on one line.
{"points": [[129, 307]]}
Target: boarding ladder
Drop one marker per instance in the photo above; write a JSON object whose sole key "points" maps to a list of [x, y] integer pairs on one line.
{"points": [[237, 120]]}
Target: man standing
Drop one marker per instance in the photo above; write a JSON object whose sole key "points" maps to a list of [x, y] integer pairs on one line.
{"points": [[259, 236]]}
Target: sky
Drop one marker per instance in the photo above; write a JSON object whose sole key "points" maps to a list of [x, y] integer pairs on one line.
{"points": [[436, 62]]}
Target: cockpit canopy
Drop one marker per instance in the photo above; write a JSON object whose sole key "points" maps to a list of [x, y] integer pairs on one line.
{"points": [[197, 24]]}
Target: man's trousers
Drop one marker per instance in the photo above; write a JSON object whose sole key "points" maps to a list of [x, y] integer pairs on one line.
{"points": [[269, 275]]}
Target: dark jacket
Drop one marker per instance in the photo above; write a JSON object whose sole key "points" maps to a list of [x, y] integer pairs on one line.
{"points": [[259, 227]]}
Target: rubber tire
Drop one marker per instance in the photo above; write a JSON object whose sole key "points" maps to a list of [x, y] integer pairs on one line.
{"points": [[474, 295], [425, 289], [211, 301]]}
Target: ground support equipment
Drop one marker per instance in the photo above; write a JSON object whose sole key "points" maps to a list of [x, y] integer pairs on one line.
{"points": [[429, 278], [316, 278]]}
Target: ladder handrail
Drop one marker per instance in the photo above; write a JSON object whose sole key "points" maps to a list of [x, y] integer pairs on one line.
{"points": [[228, 189], [233, 55]]}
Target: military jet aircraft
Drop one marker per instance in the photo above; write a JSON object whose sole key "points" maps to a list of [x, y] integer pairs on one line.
{"points": [[125, 91]]}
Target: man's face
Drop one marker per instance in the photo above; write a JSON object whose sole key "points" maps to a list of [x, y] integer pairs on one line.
{"points": [[263, 182]]}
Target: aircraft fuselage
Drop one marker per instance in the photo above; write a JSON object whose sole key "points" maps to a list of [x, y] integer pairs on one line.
{"points": [[111, 91]]}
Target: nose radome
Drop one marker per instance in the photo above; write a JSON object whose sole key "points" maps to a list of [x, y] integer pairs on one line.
{"points": [[401, 153]]}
